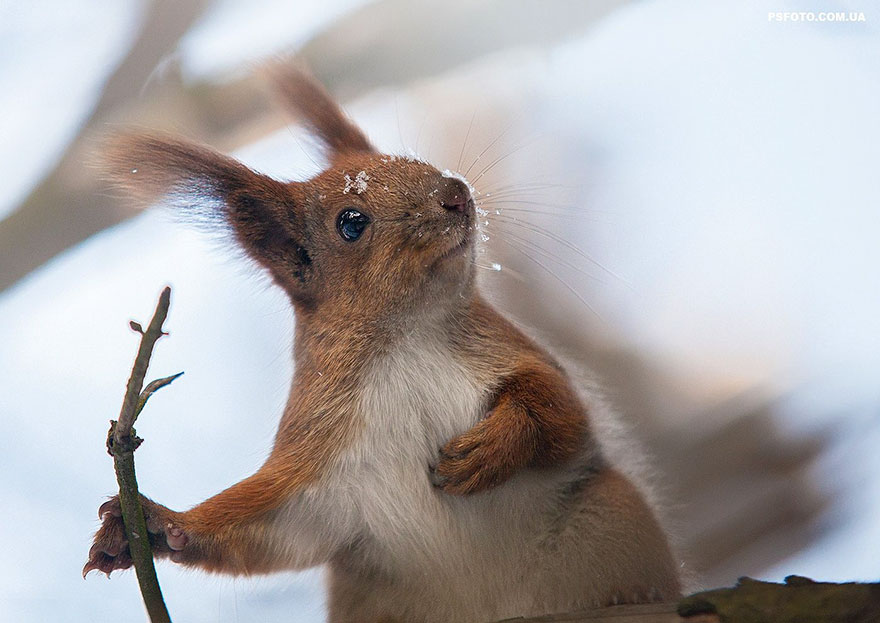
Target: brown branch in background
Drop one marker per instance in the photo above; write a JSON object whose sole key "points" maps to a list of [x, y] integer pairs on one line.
{"points": [[121, 444], [799, 600]]}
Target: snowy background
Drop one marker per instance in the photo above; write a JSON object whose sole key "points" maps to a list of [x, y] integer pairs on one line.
{"points": [[722, 169]]}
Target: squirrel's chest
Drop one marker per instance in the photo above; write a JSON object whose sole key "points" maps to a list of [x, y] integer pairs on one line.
{"points": [[418, 396], [413, 400]]}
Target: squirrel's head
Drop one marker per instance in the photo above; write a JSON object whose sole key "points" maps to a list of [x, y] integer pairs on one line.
{"points": [[373, 233]]}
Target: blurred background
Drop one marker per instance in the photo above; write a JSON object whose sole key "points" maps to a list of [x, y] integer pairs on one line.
{"points": [[681, 196]]}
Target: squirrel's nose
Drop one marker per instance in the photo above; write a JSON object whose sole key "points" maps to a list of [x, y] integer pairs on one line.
{"points": [[456, 196], [460, 206]]}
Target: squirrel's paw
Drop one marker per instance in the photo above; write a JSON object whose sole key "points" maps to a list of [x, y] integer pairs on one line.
{"points": [[110, 551], [476, 460]]}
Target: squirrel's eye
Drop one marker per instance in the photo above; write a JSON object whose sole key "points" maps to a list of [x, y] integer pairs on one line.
{"points": [[351, 224]]}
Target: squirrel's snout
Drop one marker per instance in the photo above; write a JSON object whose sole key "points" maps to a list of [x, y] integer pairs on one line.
{"points": [[456, 197], [461, 206]]}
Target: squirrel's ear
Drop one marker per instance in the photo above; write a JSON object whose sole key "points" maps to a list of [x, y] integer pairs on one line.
{"points": [[262, 212], [310, 103], [152, 166]]}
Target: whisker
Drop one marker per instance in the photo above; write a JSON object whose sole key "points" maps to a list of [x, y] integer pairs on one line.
{"points": [[544, 204], [497, 161], [529, 185], [399, 131], [514, 189], [494, 200], [552, 256], [541, 231], [514, 192], [430, 146], [555, 210], [488, 147], [554, 275], [546, 212], [466, 136], [497, 268], [494, 267], [419, 134]]}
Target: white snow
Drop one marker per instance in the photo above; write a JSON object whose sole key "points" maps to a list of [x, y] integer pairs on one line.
{"points": [[358, 184]]}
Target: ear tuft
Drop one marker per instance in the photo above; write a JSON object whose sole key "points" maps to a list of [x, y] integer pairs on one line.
{"points": [[264, 215], [151, 166], [148, 166], [310, 102]]}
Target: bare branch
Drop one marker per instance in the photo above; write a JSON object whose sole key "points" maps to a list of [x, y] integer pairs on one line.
{"points": [[121, 443]]}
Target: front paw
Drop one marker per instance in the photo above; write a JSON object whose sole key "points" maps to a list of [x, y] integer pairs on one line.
{"points": [[110, 550], [474, 461]]}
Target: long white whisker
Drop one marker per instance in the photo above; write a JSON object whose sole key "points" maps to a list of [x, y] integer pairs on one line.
{"points": [[399, 131], [545, 212], [558, 211], [552, 256], [568, 245], [488, 147], [419, 133], [554, 275], [464, 144], [497, 161]]}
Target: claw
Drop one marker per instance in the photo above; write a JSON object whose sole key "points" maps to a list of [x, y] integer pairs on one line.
{"points": [[154, 523], [175, 537], [87, 568], [437, 480], [101, 562], [110, 508]]}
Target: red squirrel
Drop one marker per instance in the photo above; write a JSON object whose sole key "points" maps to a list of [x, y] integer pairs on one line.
{"points": [[441, 463]]}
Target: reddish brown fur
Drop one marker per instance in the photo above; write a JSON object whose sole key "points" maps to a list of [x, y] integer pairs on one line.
{"points": [[535, 420], [309, 102]]}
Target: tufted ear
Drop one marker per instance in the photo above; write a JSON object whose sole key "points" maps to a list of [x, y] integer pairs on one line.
{"points": [[310, 103], [265, 215]]}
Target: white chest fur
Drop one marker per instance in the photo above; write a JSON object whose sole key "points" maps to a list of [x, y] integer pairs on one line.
{"points": [[415, 399]]}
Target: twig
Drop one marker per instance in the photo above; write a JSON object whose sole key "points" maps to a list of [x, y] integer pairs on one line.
{"points": [[122, 441]]}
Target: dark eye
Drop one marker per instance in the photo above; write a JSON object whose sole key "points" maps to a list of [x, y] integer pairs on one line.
{"points": [[351, 224]]}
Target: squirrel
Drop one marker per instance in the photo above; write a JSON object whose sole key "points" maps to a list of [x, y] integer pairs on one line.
{"points": [[440, 462]]}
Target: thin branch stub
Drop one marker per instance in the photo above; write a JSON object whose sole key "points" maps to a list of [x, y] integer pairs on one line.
{"points": [[151, 389]]}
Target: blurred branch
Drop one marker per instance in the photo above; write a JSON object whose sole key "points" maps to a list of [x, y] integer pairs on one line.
{"points": [[361, 50], [636, 613], [393, 42], [62, 210], [799, 600], [122, 441]]}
